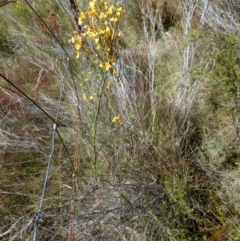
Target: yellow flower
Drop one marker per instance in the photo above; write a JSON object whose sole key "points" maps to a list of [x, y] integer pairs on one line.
{"points": [[118, 14], [113, 61], [79, 43], [72, 40], [98, 46], [110, 84], [107, 66], [110, 10], [102, 32], [101, 65], [93, 34], [105, 5], [82, 15], [119, 34], [92, 13], [77, 46], [99, 29], [115, 72], [97, 40], [91, 98], [84, 96], [108, 31], [113, 20], [117, 120], [92, 4], [108, 51], [102, 16], [121, 10]]}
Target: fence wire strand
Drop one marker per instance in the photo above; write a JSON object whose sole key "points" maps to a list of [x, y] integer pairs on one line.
{"points": [[54, 120], [39, 213]]}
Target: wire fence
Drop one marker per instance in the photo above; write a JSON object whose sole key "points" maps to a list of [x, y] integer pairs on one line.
{"points": [[36, 218]]}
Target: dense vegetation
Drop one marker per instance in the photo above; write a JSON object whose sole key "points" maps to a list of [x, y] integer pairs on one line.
{"points": [[120, 121]]}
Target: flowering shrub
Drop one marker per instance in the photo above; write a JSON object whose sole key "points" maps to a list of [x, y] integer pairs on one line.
{"points": [[98, 45], [100, 36]]}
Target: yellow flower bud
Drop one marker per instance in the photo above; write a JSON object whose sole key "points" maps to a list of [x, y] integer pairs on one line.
{"points": [[98, 46], [72, 40], [101, 65], [117, 120], [108, 31], [92, 4], [77, 46], [110, 84], [113, 61], [113, 20], [110, 10], [107, 66], [115, 72]]}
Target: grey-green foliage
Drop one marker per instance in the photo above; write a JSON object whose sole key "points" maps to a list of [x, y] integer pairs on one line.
{"points": [[6, 44], [227, 63]]}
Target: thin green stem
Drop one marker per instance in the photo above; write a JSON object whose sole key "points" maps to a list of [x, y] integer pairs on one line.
{"points": [[95, 127]]}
